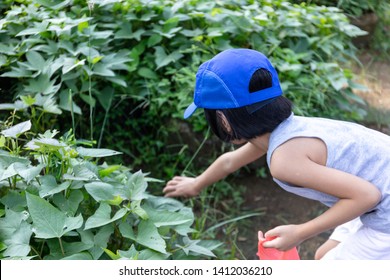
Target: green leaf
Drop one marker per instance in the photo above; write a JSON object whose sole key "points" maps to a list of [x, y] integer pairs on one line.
{"points": [[105, 97], [42, 84], [8, 172], [154, 40], [83, 172], [45, 144], [137, 34], [337, 81], [90, 152], [70, 204], [88, 99], [131, 254], [19, 243], [167, 218], [7, 49], [125, 31], [109, 170], [117, 80], [82, 26], [70, 64], [15, 233], [38, 28], [96, 59], [116, 201], [162, 59], [185, 228], [11, 222], [69, 248], [16, 130], [2, 141], [50, 105], [2, 246], [49, 186], [164, 203], [135, 187], [147, 236], [28, 173], [98, 241], [53, 4], [147, 73], [101, 191], [192, 246], [137, 209], [102, 70], [126, 230], [79, 256], [48, 221], [17, 73], [152, 255], [7, 160], [35, 60], [28, 100], [67, 103], [117, 61], [102, 216], [111, 254], [146, 254], [3, 60], [14, 200]]}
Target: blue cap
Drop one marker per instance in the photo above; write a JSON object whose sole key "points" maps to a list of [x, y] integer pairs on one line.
{"points": [[223, 81]]}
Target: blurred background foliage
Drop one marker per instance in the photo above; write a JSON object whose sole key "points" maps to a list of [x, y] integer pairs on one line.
{"points": [[122, 72]]}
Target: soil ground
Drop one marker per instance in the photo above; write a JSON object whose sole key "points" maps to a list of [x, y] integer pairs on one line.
{"points": [[281, 207]]}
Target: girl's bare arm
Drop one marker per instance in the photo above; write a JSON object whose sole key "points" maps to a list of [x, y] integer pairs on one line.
{"points": [[224, 165]]}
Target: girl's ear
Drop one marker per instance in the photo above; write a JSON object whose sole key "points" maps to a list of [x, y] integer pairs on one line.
{"points": [[224, 122]]}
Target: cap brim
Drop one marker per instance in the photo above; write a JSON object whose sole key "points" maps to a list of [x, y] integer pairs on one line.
{"points": [[190, 110]]}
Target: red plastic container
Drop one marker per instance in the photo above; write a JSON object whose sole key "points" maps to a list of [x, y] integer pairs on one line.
{"points": [[275, 254]]}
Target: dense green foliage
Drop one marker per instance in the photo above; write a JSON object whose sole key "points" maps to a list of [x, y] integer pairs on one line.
{"points": [[121, 69], [57, 202], [358, 8]]}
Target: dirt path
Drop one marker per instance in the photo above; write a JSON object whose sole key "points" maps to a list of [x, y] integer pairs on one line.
{"points": [[281, 207], [375, 75]]}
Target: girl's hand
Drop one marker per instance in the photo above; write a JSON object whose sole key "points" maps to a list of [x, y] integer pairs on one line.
{"points": [[288, 236], [181, 186]]}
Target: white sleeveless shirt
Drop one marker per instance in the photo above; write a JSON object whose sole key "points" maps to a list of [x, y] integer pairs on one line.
{"points": [[351, 148]]}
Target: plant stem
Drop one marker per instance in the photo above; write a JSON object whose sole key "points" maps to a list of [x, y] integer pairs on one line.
{"points": [[10, 183], [42, 247], [14, 181], [71, 110], [62, 247], [197, 151], [90, 81], [36, 252], [102, 129]]}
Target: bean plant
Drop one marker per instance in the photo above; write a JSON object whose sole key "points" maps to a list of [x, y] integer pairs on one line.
{"points": [[59, 200]]}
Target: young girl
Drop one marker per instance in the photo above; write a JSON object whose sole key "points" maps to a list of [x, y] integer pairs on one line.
{"points": [[343, 165]]}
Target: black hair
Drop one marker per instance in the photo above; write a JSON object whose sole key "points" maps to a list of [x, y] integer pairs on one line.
{"points": [[254, 120]]}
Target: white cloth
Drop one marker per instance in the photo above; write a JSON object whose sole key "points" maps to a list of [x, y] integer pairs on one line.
{"points": [[343, 231], [358, 242]]}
